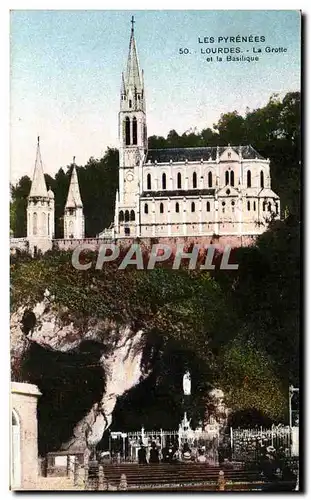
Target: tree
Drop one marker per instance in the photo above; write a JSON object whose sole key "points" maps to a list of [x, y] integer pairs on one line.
{"points": [[19, 194]]}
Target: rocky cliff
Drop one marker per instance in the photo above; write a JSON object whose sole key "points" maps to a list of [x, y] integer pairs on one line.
{"points": [[46, 335]]}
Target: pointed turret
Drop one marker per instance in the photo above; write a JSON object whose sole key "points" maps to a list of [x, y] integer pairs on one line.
{"points": [[38, 186], [73, 216], [40, 210], [74, 197]]}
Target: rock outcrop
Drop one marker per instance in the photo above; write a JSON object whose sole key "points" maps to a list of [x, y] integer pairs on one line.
{"points": [[121, 352]]}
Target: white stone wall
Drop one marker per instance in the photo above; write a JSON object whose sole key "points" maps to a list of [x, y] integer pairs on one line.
{"points": [[24, 404], [74, 223], [40, 224]]}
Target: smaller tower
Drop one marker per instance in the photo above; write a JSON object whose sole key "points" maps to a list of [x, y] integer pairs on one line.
{"points": [[73, 216], [40, 210]]}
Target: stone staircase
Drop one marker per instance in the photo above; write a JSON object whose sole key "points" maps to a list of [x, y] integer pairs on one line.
{"points": [[181, 476]]}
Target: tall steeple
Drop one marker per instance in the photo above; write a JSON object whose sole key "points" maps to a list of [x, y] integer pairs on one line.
{"points": [[133, 76], [74, 197], [73, 216], [38, 186], [132, 84], [133, 141]]}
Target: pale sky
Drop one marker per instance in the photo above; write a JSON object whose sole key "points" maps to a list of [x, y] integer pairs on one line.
{"points": [[66, 73]]}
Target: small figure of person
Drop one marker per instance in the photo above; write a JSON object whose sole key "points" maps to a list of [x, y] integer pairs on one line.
{"points": [[154, 454], [168, 453], [142, 456], [186, 452], [201, 458]]}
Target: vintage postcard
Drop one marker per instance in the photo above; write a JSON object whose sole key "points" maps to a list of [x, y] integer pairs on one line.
{"points": [[155, 250]]}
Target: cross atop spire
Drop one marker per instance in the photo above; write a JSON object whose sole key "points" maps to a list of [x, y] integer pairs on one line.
{"points": [[133, 22], [38, 185]]}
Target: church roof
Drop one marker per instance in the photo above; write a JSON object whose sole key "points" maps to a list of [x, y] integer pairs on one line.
{"points": [[198, 154], [38, 185], [74, 197]]}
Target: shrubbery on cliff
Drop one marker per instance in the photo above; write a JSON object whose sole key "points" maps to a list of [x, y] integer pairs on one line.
{"points": [[210, 315]]}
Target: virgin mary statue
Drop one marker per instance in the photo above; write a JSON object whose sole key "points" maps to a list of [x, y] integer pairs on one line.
{"points": [[187, 383]]}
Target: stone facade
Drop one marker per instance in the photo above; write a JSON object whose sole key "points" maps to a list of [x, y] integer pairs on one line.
{"points": [[24, 436], [223, 191]]}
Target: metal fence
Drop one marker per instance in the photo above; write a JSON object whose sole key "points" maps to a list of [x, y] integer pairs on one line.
{"points": [[248, 444], [124, 446]]}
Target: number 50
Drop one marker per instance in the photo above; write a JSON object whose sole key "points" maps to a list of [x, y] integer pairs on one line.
{"points": [[184, 51]]}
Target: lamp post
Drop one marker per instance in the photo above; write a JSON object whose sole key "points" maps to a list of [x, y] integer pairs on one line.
{"points": [[291, 392]]}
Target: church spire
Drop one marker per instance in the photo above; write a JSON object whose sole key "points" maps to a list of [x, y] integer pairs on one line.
{"points": [[74, 197], [133, 76], [38, 185]]}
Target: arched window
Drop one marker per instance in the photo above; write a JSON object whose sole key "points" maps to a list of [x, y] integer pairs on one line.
{"points": [[177, 208], [179, 180], [223, 207], [248, 205], [126, 216], [161, 208], [193, 207], [146, 208], [254, 205], [262, 183], [208, 206], [276, 208], [264, 206], [70, 229], [44, 222], [35, 223], [269, 206], [134, 130], [249, 179], [194, 180], [232, 178], [132, 215], [233, 205], [121, 216], [210, 179], [163, 181], [226, 177], [130, 103], [148, 181], [127, 131]]}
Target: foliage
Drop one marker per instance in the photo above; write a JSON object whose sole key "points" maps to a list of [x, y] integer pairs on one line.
{"points": [[237, 329], [273, 130], [228, 327], [18, 206], [249, 380], [98, 181]]}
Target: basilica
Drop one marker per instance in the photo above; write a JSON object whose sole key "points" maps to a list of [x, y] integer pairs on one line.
{"points": [[163, 193], [185, 191]]}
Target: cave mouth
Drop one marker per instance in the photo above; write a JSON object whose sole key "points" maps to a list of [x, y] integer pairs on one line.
{"points": [[158, 401], [70, 383], [28, 321]]}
